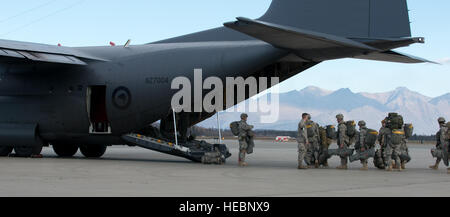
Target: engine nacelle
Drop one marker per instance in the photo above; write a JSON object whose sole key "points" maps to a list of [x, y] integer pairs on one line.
{"points": [[19, 135]]}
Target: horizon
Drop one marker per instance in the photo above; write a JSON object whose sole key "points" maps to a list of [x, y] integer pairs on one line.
{"points": [[343, 88]]}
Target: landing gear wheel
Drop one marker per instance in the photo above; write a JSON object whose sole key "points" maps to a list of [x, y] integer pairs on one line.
{"points": [[93, 151], [5, 151], [27, 151], [65, 150]]}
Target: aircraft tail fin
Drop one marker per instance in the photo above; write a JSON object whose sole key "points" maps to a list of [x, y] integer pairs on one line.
{"points": [[365, 19], [346, 18]]}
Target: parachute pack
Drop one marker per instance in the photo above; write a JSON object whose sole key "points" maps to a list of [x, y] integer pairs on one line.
{"points": [[409, 130], [394, 121], [325, 141], [234, 127], [397, 136], [371, 137], [310, 129], [331, 132], [351, 128]]}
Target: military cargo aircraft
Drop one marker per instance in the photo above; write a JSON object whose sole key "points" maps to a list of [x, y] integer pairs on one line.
{"points": [[88, 98]]}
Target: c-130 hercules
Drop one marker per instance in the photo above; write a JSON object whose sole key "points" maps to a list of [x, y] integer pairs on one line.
{"points": [[89, 98]]}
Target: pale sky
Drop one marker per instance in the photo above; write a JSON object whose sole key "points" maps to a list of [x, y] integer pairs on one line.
{"points": [[97, 22]]}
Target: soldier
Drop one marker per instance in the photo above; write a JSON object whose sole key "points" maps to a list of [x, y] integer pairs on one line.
{"points": [[342, 139], [313, 149], [392, 150], [382, 136], [379, 158], [440, 141], [246, 142], [404, 150], [303, 142], [361, 143], [325, 143], [447, 139]]}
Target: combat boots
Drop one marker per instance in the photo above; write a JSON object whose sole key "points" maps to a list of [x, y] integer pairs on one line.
{"points": [[243, 164], [403, 166], [342, 167], [316, 164], [365, 167], [390, 167], [434, 167], [396, 166], [448, 171], [301, 167]]}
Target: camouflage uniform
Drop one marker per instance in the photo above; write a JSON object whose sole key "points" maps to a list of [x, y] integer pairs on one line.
{"points": [[342, 139], [325, 143], [352, 140], [313, 149], [245, 140], [360, 145], [302, 139], [378, 160], [404, 152], [382, 137], [392, 150], [447, 139], [441, 141]]}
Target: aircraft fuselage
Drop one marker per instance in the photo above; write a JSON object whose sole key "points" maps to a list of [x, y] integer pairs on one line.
{"points": [[135, 86]]}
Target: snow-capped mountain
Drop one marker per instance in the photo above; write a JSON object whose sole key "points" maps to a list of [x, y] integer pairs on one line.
{"points": [[323, 105]]}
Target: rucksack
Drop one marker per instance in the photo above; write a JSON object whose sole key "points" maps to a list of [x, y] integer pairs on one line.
{"points": [[331, 132], [371, 137], [351, 128], [409, 130], [324, 139], [310, 129], [235, 128], [394, 121], [397, 137]]}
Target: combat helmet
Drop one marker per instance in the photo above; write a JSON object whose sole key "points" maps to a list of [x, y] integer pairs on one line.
{"points": [[362, 123]]}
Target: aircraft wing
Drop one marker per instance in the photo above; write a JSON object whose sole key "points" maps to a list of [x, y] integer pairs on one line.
{"points": [[23, 52]]}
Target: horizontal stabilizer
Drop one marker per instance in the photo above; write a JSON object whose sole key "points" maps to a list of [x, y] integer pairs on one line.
{"points": [[391, 43], [307, 44], [393, 56]]}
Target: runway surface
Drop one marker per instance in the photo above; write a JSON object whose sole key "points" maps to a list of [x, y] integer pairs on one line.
{"points": [[126, 171]]}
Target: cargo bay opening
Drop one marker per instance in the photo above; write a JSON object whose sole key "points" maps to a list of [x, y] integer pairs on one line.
{"points": [[96, 107]]}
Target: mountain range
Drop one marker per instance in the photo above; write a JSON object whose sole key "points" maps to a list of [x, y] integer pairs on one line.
{"points": [[323, 105]]}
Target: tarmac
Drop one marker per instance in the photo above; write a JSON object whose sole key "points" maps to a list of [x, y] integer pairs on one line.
{"points": [[272, 172]]}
